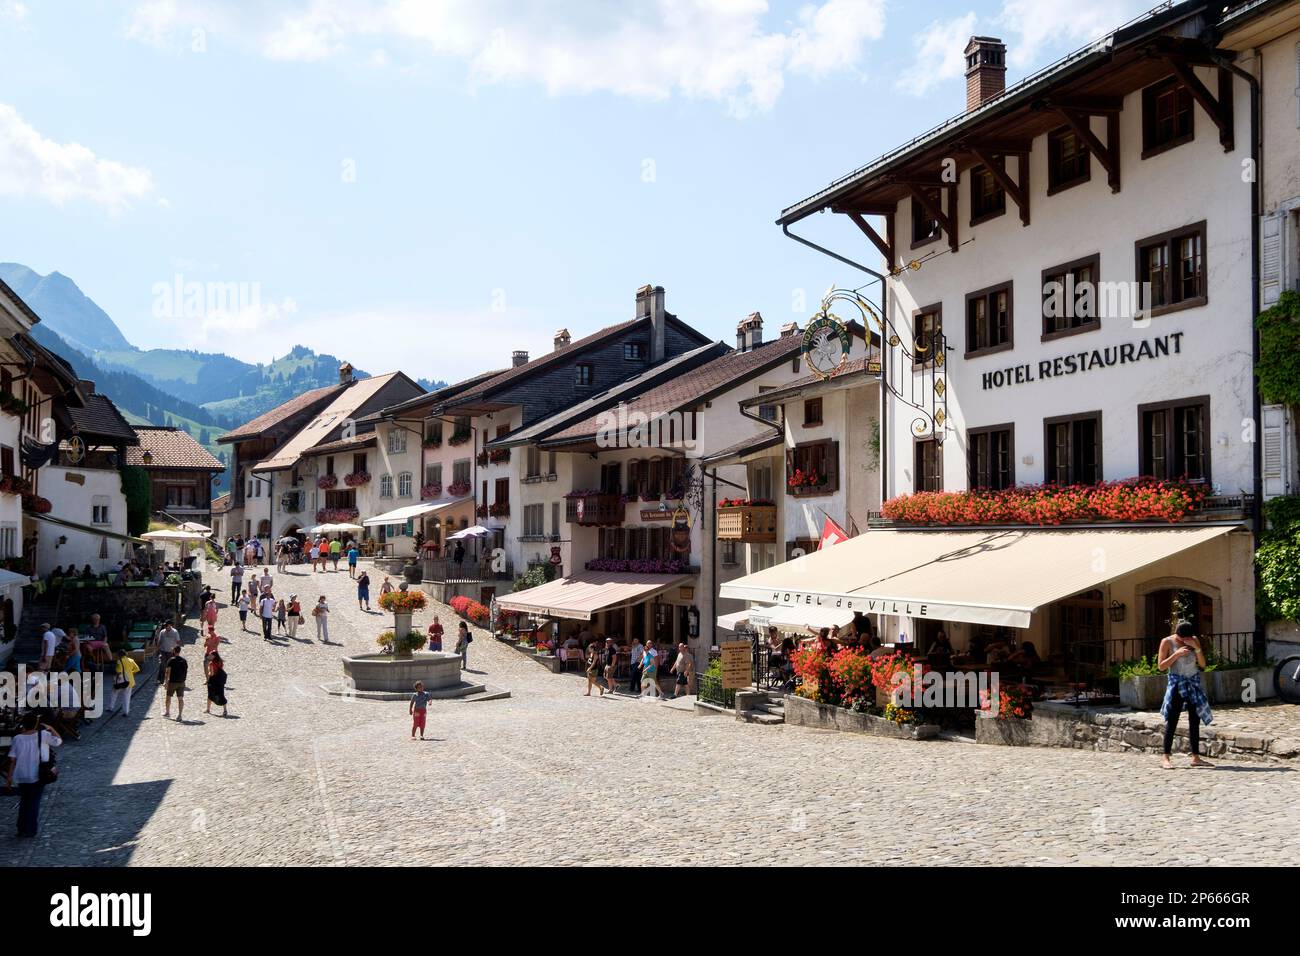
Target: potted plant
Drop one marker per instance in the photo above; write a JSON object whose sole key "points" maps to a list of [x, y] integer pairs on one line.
{"points": [[1141, 683], [400, 647], [402, 603]]}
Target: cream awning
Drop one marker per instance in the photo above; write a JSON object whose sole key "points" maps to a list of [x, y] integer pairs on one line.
{"points": [[403, 515], [581, 595], [799, 617], [729, 622], [997, 577]]}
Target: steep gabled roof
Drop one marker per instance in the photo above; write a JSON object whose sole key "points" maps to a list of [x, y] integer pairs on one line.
{"points": [[170, 447], [268, 420], [98, 420], [437, 395], [693, 387]]}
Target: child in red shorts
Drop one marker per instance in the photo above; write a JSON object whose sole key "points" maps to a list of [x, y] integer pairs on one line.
{"points": [[419, 707]]}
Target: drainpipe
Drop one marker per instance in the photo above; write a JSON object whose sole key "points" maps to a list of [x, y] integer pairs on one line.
{"points": [[1257, 516]]}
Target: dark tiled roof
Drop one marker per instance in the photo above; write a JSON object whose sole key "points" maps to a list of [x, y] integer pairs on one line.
{"points": [[275, 416], [170, 448], [344, 444], [221, 504], [438, 395], [99, 419], [718, 375]]}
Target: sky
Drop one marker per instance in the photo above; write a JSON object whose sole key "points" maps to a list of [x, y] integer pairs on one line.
{"points": [[432, 184]]}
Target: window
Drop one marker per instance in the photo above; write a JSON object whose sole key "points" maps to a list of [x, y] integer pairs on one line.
{"points": [[924, 229], [533, 462], [550, 463], [1171, 270], [433, 475], [929, 466], [991, 457], [534, 515], [99, 510], [1067, 160], [460, 472], [812, 412], [404, 485], [396, 441], [987, 197], [988, 320], [359, 462], [502, 491], [813, 467], [767, 412], [433, 433], [730, 554], [347, 497], [180, 496], [8, 541], [329, 464], [385, 486], [610, 476], [760, 486], [1070, 298], [555, 519], [1174, 439], [1073, 449], [7, 461], [1167, 116], [633, 351], [927, 332], [582, 374]]}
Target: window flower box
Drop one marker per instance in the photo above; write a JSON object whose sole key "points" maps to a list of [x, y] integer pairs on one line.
{"points": [[430, 491], [356, 479], [499, 510], [460, 437], [458, 489], [499, 455], [14, 485], [326, 482], [481, 511], [432, 443], [36, 504], [481, 459], [336, 515]]}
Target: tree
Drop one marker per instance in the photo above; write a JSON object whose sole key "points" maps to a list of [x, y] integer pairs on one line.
{"points": [[138, 490]]}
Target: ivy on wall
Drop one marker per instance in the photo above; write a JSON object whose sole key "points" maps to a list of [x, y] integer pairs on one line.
{"points": [[1277, 562], [1279, 351], [138, 490]]}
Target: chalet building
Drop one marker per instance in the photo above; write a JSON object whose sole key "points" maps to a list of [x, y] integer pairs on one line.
{"points": [[1076, 250], [180, 473]]}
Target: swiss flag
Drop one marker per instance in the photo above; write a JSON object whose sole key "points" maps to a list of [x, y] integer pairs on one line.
{"points": [[832, 533]]}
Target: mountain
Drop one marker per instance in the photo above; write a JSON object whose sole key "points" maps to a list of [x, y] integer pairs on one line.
{"points": [[206, 388]]}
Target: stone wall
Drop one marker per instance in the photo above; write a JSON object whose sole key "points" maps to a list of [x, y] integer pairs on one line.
{"points": [[121, 607]]}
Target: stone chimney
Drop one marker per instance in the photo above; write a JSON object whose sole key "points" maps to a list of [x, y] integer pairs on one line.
{"points": [[986, 70], [345, 373], [789, 329], [520, 357], [650, 305], [562, 338], [749, 332], [85, 386]]}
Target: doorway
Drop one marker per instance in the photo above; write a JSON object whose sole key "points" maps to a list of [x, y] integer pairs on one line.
{"points": [[1166, 607]]}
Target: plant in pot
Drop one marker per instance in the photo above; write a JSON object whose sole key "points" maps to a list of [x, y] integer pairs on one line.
{"points": [[1141, 683], [402, 603], [390, 643]]}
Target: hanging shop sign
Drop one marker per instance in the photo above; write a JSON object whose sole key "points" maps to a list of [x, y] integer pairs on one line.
{"points": [[826, 345], [681, 532], [1161, 346]]}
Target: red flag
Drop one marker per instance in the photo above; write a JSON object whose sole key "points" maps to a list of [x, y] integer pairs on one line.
{"points": [[832, 533]]}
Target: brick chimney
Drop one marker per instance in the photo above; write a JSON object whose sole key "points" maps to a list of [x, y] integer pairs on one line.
{"points": [[749, 332], [345, 373], [562, 338], [789, 329], [650, 305], [986, 70], [519, 358]]}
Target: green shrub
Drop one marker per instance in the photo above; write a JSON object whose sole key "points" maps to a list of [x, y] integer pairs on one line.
{"points": [[1277, 562], [1279, 351], [1138, 667]]}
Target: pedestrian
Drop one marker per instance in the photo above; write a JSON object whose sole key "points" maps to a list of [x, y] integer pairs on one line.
{"points": [[336, 551], [321, 612], [236, 582], [230, 551], [266, 582], [210, 645], [1182, 656], [463, 640], [610, 657], [124, 670], [281, 615], [315, 555], [386, 587], [243, 612], [684, 668], [459, 554], [594, 659], [267, 608], [49, 644], [96, 631], [239, 549], [353, 555], [217, 684], [435, 634], [650, 670], [74, 652], [169, 639], [31, 768], [295, 616], [418, 709], [209, 615], [635, 654], [363, 591], [174, 674]]}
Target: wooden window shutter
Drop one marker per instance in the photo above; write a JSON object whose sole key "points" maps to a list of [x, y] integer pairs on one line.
{"points": [[832, 466], [789, 463], [1272, 257], [1277, 439]]}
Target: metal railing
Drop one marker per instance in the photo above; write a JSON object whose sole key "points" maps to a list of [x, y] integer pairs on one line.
{"points": [[1093, 665], [710, 691], [448, 571]]}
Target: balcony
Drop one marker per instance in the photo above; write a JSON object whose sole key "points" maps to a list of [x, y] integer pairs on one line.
{"points": [[596, 508], [747, 523]]}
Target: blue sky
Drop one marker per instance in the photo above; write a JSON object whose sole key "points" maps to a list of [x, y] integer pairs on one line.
{"points": [[430, 185]]}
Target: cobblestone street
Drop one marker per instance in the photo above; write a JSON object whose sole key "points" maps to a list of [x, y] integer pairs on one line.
{"points": [[549, 776]]}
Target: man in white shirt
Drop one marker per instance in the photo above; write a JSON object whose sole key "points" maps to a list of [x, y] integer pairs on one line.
{"points": [[265, 581], [268, 612], [168, 638], [49, 644]]}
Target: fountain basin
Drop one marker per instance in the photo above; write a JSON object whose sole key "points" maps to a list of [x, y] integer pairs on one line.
{"points": [[439, 670]]}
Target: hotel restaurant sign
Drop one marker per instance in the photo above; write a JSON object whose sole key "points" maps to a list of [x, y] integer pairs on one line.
{"points": [[894, 607], [1065, 365]]}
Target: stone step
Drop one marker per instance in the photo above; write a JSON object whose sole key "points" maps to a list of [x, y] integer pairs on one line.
{"points": [[759, 717]]}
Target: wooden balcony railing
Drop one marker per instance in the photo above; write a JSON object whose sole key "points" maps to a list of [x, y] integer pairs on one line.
{"points": [[751, 524], [600, 509]]}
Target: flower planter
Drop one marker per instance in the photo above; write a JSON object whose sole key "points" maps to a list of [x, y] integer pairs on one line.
{"points": [[801, 712], [402, 622], [1227, 686], [1143, 693]]}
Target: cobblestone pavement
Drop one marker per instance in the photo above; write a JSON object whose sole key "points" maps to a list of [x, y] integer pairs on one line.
{"points": [[548, 776]]}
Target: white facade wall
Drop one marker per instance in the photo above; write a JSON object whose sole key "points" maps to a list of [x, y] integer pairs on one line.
{"points": [[74, 492], [1176, 188]]}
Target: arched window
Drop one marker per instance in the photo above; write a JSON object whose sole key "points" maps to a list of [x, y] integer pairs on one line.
{"points": [[386, 486], [404, 485]]}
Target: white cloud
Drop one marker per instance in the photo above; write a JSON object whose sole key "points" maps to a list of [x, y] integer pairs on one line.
{"points": [[939, 55], [1038, 25], [719, 50], [33, 166], [13, 11]]}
